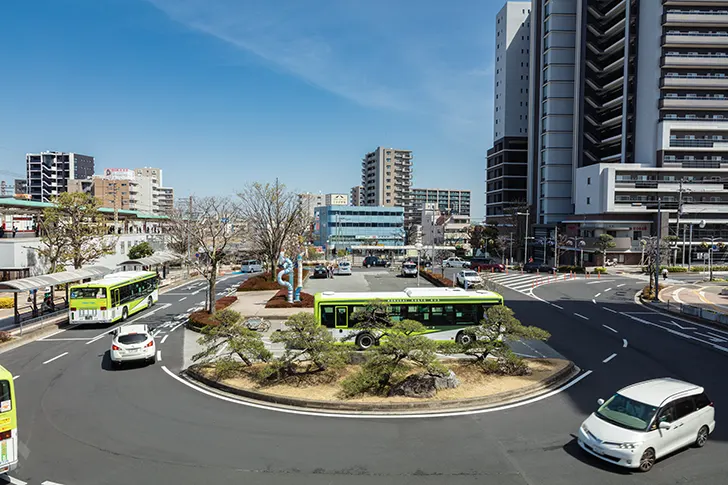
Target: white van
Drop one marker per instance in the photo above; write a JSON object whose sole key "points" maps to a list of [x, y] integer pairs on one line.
{"points": [[251, 266], [647, 421]]}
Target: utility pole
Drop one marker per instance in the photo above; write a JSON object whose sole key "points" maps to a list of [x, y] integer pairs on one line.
{"points": [[189, 240], [525, 238], [556, 246], [511, 244], [677, 228], [657, 248]]}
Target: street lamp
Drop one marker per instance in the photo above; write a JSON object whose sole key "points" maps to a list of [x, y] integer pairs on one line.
{"points": [[418, 246], [525, 239], [701, 224], [712, 241]]}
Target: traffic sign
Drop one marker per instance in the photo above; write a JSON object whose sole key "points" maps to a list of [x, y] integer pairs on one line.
{"points": [[715, 247]]}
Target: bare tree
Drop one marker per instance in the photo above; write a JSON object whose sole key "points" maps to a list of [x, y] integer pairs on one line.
{"points": [[208, 229], [276, 220]]}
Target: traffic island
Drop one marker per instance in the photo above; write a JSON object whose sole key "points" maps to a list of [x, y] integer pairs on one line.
{"points": [[476, 390]]}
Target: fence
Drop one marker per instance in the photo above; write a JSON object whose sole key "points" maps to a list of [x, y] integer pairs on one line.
{"points": [[699, 312]]}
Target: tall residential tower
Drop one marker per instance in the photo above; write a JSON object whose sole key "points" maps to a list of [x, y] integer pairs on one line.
{"points": [[386, 175], [49, 172]]}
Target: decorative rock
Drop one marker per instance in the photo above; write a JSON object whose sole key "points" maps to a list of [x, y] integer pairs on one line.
{"points": [[416, 385], [449, 381]]}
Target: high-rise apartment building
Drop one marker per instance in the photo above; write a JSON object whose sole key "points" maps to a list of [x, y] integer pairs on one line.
{"points": [[357, 195], [153, 197], [628, 107], [452, 202], [48, 173], [386, 176], [506, 166]]}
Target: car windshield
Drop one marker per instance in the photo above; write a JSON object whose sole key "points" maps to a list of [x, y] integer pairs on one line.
{"points": [[133, 338], [410, 265], [470, 273], [84, 293], [626, 413]]}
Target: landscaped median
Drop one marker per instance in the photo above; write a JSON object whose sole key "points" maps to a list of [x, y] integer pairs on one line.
{"points": [[477, 390]]}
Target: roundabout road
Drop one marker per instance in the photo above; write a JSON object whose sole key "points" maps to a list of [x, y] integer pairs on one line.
{"points": [[82, 423]]}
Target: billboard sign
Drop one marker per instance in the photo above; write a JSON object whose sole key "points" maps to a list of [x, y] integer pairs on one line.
{"points": [[119, 174]]}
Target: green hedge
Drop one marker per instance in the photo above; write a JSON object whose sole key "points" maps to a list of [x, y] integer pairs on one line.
{"points": [[569, 269]]}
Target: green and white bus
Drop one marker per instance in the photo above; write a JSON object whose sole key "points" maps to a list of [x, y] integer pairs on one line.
{"points": [[445, 312], [114, 297], [8, 423]]}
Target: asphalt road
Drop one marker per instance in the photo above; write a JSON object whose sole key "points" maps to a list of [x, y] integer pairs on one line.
{"points": [[82, 423]]}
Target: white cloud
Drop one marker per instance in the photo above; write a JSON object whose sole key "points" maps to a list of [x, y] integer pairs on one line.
{"points": [[426, 58]]}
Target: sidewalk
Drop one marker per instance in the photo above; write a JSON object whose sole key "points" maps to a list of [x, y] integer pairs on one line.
{"points": [[704, 295], [252, 304]]}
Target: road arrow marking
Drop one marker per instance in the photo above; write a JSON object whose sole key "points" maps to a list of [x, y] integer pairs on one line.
{"points": [[672, 322]]}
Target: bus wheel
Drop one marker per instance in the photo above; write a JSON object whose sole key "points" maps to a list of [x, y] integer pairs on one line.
{"points": [[463, 338], [124, 314], [364, 341], [150, 302]]}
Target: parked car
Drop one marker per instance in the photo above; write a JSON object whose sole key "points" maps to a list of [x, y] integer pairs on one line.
{"points": [[486, 264], [455, 262], [251, 266], [343, 268], [320, 271], [647, 421], [472, 278], [409, 269], [370, 261], [534, 267], [132, 343]]}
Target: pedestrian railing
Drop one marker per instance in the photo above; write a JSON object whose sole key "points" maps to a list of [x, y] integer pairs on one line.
{"points": [[698, 312]]}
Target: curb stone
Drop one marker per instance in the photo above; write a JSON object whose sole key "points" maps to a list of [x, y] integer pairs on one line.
{"points": [[534, 390]]}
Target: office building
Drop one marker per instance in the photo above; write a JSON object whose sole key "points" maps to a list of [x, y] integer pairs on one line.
{"points": [[446, 201], [48, 173], [153, 196], [309, 202], [336, 199], [629, 95], [387, 180], [347, 227], [506, 162], [357, 195]]}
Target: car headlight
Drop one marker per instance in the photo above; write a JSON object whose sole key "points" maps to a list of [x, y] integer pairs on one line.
{"points": [[584, 428], [629, 446]]}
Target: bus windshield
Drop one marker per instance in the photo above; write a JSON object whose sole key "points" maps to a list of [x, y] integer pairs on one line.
{"points": [[88, 293]]}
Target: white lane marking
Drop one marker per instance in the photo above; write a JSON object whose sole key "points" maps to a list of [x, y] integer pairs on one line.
{"points": [[159, 355], [676, 295], [54, 358], [609, 309], [48, 482], [164, 338], [594, 301], [674, 332], [717, 336], [176, 327], [598, 282], [720, 348], [15, 377], [183, 298], [711, 337], [15, 481], [609, 328], [581, 316], [597, 295], [608, 289], [60, 331], [624, 343], [557, 306], [609, 358], [619, 286], [379, 416], [146, 314], [677, 325], [196, 292]]}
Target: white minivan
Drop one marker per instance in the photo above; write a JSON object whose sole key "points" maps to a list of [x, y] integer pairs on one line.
{"points": [[251, 266], [647, 421]]}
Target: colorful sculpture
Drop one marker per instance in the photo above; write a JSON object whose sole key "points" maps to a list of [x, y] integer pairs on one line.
{"points": [[299, 276], [287, 266]]}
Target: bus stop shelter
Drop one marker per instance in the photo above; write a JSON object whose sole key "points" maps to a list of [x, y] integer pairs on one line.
{"points": [[35, 283], [158, 262]]}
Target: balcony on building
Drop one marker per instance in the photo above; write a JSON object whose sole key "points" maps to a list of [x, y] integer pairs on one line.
{"points": [[695, 60], [695, 103], [694, 81], [693, 17], [695, 39]]}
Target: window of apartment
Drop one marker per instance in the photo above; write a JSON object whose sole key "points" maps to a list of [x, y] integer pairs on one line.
{"points": [[636, 235], [588, 201]]}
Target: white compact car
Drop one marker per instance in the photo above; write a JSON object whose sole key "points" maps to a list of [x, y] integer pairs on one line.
{"points": [[343, 268], [647, 421], [132, 343], [409, 269], [469, 276], [251, 266], [455, 262]]}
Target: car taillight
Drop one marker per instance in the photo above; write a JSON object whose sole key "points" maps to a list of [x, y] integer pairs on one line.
{"points": [[711, 404], [73, 309], [103, 308], [6, 435], [115, 347], [151, 342]]}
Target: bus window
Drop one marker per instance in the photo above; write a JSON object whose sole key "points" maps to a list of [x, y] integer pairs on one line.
{"points": [[6, 403], [88, 293], [114, 297], [395, 313], [466, 314], [327, 316], [420, 313], [125, 293]]}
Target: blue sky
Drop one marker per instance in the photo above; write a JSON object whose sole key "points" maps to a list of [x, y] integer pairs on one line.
{"points": [[219, 93]]}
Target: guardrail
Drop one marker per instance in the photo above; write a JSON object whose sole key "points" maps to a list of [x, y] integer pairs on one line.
{"points": [[711, 316]]}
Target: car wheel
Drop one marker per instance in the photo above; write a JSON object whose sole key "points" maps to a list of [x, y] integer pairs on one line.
{"points": [[367, 266], [647, 461], [115, 364], [124, 314], [152, 361], [702, 437], [364, 340], [464, 338]]}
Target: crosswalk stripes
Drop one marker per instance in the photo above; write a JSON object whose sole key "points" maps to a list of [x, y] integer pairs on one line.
{"points": [[522, 283]]}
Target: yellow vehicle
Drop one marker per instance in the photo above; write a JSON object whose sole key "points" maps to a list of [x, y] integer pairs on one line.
{"points": [[8, 423]]}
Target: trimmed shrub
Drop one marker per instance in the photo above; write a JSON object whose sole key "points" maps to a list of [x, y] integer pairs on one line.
{"points": [[280, 300], [599, 270], [648, 294], [674, 269], [263, 282], [570, 268], [508, 364], [6, 302], [5, 337]]}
